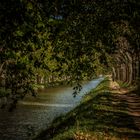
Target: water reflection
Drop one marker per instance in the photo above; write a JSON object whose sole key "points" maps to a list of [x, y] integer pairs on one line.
{"points": [[35, 114]]}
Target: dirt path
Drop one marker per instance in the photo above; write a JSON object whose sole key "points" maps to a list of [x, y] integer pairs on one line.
{"points": [[130, 98]]}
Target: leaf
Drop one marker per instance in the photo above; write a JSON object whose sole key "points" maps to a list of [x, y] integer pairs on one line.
{"points": [[29, 6], [19, 33]]}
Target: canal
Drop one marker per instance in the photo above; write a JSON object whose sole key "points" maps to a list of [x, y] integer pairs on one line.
{"points": [[35, 114]]}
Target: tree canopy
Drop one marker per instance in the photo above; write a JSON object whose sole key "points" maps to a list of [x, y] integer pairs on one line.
{"points": [[77, 38]]}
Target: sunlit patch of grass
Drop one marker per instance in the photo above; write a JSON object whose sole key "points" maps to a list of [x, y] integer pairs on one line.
{"points": [[94, 136], [123, 84]]}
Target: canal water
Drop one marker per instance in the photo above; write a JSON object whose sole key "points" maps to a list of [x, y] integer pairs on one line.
{"points": [[35, 114]]}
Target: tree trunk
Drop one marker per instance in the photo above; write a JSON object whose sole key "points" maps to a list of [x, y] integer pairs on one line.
{"points": [[113, 74], [130, 73], [124, 72]]}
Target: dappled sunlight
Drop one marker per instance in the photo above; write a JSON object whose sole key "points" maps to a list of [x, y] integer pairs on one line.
{"points": [[75, 63]]}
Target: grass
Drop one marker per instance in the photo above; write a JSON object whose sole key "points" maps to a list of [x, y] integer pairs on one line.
{"points": [[135, 87], [100, 116], [123, 84]]}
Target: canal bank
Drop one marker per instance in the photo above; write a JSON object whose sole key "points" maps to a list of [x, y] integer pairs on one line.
{"points": [[35, 114], [102, 114]]}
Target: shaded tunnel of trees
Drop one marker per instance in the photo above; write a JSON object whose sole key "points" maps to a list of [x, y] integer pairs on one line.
{"points": [[127, 64]]}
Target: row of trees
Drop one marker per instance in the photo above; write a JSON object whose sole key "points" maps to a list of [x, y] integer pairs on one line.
{"points": [[127, 64], [73, 38]]}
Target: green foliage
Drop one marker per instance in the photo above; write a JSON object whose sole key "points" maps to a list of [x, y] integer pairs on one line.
{"points": [[24, 40], [76, 38], [4, 92]]}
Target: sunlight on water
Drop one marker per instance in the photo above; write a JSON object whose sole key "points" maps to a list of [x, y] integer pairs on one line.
{"points": [[43, 104]]}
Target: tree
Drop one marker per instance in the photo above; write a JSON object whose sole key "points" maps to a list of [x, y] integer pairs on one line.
{"points": [[24, 39]]}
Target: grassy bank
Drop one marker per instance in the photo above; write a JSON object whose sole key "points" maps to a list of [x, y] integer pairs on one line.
{"points": [[101, 115]]}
